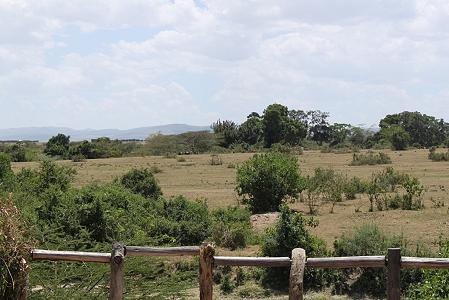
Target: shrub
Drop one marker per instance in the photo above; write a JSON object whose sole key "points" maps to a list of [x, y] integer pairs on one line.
{"points": [[368, 239], [181, 159], [370, 158], [141, 181], [215, 160], [438, 156], [353, 186], [266, 180], [6, 174], [434, 284], [187, 222], [231, 227], [291, 232], [58, 145], [14, 252]]}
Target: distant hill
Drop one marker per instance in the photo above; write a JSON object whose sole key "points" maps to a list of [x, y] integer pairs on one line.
{"points": [[44, 133]]}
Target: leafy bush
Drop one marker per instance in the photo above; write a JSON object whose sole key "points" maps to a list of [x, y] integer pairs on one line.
{"points": [[438, 156], [141, 181], [353, 186], [266, 180], [389, 189], [6, 174], [231, 227], [14, 252], [370, 158], [182, 221], [434, 284], [291, 232], [368, 239], [58, 145]]}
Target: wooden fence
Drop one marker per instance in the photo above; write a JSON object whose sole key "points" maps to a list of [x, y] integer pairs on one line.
{"points": [[207, 260]]}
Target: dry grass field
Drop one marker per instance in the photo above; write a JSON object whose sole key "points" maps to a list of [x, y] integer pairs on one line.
{"points": [[197, 178]]}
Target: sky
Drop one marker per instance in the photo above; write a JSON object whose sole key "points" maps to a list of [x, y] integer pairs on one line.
{"points": [[124, 64]]}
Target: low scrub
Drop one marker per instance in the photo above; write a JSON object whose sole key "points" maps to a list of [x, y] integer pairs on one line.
{"points": [[438, 156], [365, 240], [231, 227], [370, 158], [292, 231]]}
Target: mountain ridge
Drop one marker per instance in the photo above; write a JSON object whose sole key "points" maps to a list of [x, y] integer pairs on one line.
{"points": [[44, 133]]}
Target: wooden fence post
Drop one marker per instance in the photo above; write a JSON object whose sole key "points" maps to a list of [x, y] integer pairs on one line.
{"points": [[394, 274], [296, 289], [117, 281], [207, 252]]}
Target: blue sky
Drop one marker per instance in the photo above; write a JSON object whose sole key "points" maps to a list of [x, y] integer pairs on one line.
{"points": [[123, 64]]}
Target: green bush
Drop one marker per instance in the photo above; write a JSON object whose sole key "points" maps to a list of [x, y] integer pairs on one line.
{"points": [[368, 239], [6, 173], [231, 227], [267, 180], [370, 158], [58, 145], [291, 231], [434, 284], [141, 181], [188, 223]]}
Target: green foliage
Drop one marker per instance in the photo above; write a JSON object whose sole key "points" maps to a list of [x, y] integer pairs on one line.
{"points": [[58, 145], [438, 156], [291, 231], [370, 158], [189, 142], [6, 174], [368, 239], [389, 189], [231, 227], [266, 180], [435, 283], [14, 252], [422, 129], [397, 136], [181, 222], [226, 132], [141, 181], [251, 131]]}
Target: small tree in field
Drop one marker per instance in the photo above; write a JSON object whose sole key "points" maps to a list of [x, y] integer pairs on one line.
{"points": [[266, 180], [141, 181]]}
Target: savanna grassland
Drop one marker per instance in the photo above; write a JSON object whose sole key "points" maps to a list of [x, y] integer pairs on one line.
{"points": [[196, 178]]}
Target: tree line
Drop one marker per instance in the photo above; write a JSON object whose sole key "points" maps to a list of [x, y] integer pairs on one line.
{"points": [[279, 124]]}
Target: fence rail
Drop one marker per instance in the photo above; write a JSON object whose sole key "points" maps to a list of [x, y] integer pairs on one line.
{"points": [[297, 263]]}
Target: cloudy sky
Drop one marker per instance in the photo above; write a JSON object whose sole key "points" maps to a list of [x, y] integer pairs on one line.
{"points": [[123, 64]]}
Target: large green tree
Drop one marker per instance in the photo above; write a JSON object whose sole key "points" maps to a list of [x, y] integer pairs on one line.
{"points": [[58, 145], [424, 130]]}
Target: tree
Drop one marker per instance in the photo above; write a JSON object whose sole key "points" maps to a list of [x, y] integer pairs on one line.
{"points": [[274, 119], [398, 137], [424, 130], [266, 180], [319, 129], [251, 131], [141, 181], [226, 132], [339, 133], [58, 145]]}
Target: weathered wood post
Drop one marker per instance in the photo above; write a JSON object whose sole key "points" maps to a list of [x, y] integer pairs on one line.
{"points": [[296, 288], [394, 274], [117, 281], [207, 252]]}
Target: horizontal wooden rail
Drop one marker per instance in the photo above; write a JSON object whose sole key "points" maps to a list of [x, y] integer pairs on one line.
{"points": [[346, 262], [252, 261], [158, 251], [424, 263], [39, 254]]}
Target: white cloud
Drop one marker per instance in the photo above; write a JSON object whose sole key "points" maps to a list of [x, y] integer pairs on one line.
{"points": [[357, 59]]}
